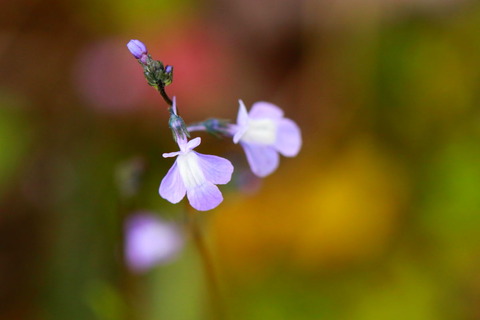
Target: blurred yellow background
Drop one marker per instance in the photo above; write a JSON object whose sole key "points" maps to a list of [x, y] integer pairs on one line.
{"points": [[378, 217]]}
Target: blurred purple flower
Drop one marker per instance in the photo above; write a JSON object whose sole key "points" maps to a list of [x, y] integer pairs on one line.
{"points": [[150, 241], [263, 133], [246, 181], [138, 49], [194, 174]]}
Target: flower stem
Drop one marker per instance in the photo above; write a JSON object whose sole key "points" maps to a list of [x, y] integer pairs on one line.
{"points": [[215, 298], [163, 93], [196, 127]]}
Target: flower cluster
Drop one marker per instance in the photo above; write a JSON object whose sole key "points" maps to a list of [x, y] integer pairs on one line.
{"points": [[263, 132]]}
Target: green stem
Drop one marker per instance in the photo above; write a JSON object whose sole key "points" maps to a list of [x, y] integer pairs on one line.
{"points": [[209, 270]]}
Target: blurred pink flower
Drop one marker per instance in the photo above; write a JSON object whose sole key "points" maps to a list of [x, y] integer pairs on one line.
{"points": [[203, 67], [108, 79]]}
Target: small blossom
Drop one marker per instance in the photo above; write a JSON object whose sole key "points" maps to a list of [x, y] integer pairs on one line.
{"points": [[195, 175], [150, 241], [263, 133], [138, 50]]}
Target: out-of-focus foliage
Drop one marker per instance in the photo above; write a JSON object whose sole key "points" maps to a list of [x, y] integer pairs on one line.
{"points": [[15, 135]]}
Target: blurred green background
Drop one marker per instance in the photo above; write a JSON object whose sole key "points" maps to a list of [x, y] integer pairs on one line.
{"points": [[377, 218]]}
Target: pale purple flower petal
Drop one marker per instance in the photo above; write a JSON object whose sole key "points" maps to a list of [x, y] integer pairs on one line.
{"points": [[242, 116], [150, 241], [171, 154], [289, 138], [240, 131], [263, 159], [217, 170], [192, 144], [242, 122], [172, 187], [205, 196], [263, 109]]}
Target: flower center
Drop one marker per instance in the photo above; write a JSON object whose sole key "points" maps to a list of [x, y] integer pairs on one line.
{"points": [[261, 131], [190, 171]]}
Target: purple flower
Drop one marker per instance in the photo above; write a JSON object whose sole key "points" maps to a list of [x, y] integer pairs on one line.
{"points": [[150, 241], [194, 174], [138, 49], [263, 133]]}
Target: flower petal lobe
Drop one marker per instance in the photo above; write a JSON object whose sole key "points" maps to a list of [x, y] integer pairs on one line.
{"points": [[264, 109], [217, 170], [172, 187], [205, 196], [263, 160], [289, 138]]}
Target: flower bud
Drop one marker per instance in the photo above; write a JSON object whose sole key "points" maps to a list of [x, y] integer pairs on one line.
{"points": [[177, 125], [138, 50], [167, 76]]}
